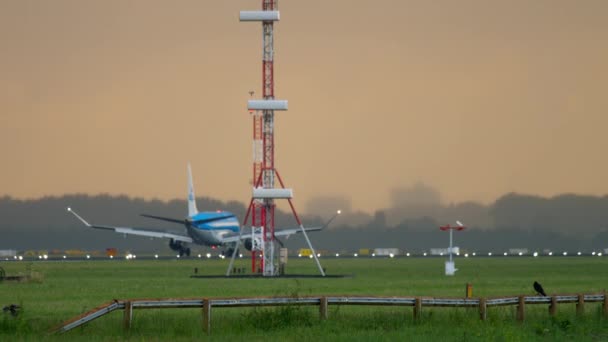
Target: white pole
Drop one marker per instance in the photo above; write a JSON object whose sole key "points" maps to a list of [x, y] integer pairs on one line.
{"points": [[236, 248], [451, 244], [314, 254]]}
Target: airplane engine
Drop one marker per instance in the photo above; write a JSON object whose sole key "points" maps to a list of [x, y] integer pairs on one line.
{"points": [[248, 244]]}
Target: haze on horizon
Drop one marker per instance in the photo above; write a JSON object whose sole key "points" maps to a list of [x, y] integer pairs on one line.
{"points": [[473, 98]]}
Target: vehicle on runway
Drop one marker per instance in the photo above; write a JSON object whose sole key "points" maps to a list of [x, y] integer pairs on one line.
{"points": [[207, 228]]}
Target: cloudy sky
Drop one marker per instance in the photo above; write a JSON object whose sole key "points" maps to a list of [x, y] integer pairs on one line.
{"points": [[472, 98]]}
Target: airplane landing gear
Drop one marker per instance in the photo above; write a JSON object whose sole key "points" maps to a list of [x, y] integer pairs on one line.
{"points": [[179, 247]]}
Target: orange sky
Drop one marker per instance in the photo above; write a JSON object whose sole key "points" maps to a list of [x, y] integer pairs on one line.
{"points": [[474, 98]]}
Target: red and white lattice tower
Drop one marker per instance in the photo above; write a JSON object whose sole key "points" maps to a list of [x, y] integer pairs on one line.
{"points": [[262, 205]]}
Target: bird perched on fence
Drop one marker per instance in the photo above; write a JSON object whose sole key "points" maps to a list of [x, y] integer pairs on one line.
{"points": [[13, 309], [539, 289]]}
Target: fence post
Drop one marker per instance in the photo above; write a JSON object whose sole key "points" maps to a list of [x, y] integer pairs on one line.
{"points": [[323, 307], [206, 315], [482, 309], [605, 306], [553, 306], [521, 308], [417, 308], [128, 315], [580, 306]]}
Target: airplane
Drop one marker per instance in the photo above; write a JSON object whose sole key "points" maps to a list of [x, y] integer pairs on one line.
{"points": [[207, 228]]}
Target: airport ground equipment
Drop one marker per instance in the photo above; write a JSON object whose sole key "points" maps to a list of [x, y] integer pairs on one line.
{"points": [[450, 268]]}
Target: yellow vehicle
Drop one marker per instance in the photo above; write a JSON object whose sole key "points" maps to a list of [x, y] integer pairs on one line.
{"points": [[305, 252]]}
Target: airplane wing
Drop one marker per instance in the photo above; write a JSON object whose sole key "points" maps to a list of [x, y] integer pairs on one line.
{"points": [[287, 232], [134, 231], [282, 232]]}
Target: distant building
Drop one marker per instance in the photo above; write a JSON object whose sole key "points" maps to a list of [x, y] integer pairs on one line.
{"points": [[386, 251], [444, 251], [518, 251], [7, 253]]}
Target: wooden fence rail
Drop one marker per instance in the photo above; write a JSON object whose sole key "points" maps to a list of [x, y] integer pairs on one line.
{"points": [[323, 302]]}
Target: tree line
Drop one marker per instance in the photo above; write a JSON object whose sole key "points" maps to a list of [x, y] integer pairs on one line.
{"points": [[566, 222]]}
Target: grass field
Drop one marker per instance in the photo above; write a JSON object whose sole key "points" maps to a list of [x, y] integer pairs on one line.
{"points": [[62, 290]]}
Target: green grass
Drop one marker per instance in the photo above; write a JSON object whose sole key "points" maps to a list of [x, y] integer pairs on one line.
{"points": [[65, 289]]}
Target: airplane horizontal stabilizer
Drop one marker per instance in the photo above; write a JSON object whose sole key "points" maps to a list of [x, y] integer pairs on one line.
{"points": [[168, 219]]}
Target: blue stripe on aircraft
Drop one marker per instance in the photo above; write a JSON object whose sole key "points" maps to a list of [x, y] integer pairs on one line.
{"points": [[219, 224]]}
